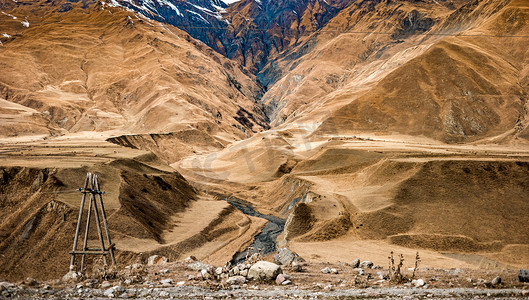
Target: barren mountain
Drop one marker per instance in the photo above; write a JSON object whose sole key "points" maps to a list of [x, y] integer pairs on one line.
{"points": [[92, 67], [413, 68], [378, 126]]}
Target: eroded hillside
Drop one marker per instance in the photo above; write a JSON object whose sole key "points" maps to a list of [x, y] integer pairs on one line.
{"points": [[413, 68], [100, 68]]}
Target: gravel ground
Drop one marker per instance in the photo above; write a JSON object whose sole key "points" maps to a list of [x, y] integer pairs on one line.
{"points": [[179, 280], [193, 292]]}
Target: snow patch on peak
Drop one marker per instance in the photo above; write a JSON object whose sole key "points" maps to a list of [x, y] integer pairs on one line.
{"points": [[200, 17], [9, 15], [172, 6]]}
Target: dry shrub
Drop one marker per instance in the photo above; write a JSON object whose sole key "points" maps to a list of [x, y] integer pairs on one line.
{"points": [[395, 270]]}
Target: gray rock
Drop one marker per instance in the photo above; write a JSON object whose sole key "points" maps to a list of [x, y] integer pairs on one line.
{"points": [[280, 279], [219, 271], [6, 285], [334, 271], [418, 282], [326, 270], [366, 264], [166, 282], [190, 259], [235, 271], [523, 275], [296, 266], [286, 282], [496, 280], [105, 284], [71, 276], [109, 292], [164, 294], [455, 271], [264, 270], [285, 257], [359, 271], [236, 280], [355, 263], [156, 260], [205, 274], [198, 266]]}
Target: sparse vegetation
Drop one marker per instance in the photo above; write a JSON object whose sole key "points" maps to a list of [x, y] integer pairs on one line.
{"points": [[395, 270], [417, 263]]}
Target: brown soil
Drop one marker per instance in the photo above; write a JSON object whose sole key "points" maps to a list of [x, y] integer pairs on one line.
{"points": [[147, 205]]}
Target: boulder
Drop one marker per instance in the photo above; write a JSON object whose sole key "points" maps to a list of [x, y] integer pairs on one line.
{"points": [[280, 279], [71, 276], [355, 263], [190, 259], [235, 271], [326, 270], [496, 280], [418, 282], [166, 282], [285, 257], [366, 264], [236, 280], [109, 293], [359, 271], [6, 285], [264, 270], [114, 291], [198, 266], [219, 271], [164, 294], [523, 275], [156, 260], [334, 271], [205, 274]]}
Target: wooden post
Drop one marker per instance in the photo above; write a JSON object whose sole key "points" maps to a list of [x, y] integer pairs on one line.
{"points": [[105, 223], [96, 213], [79, 219], [92, 187]]}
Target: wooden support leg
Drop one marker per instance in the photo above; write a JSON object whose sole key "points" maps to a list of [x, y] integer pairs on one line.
{"points": [[85, 244], [98, 223], [105, 223], [79, 220]]}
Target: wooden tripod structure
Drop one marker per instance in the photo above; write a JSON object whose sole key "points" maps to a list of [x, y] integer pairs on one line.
{"points": [[91, 188]]}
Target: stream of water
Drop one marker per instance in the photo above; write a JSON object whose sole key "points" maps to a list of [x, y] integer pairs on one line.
{"points": [[266, 239]]}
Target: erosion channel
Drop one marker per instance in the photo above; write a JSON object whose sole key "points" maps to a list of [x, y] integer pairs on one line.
{"points": [[266, 239]]}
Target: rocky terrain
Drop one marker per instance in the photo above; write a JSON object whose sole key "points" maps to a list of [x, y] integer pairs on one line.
{"points": [[334, 129], [265, 280]]}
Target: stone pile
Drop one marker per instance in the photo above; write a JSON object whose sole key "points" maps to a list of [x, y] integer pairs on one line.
{"points": [[240, 274]]}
